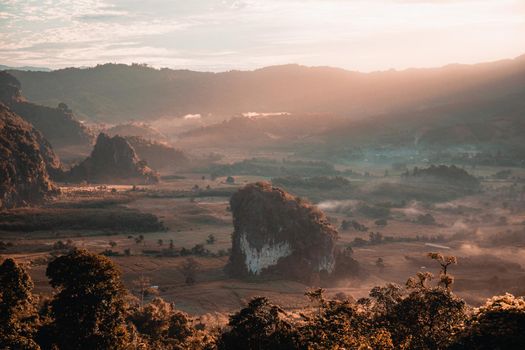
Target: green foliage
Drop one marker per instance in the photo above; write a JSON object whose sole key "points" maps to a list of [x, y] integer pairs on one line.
{"points": [[163, 327], [189, 270], [342, 325], [428, 318], [89, 308], [90, 311], [17, 323], [374, 212], [499, 324], [259, 326]]}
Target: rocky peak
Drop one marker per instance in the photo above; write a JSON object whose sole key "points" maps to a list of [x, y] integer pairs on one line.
{"points": [[113, 160], [279, 234]]}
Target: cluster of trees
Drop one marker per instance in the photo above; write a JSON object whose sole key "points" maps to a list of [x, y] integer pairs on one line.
{"points": [[91, 309], [446, 174], [375, 238]]}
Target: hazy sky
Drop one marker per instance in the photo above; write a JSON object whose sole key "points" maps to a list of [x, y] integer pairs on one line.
{"points": [[245, 34]]}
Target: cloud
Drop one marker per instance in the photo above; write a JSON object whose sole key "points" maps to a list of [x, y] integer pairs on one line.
{"points": [[226, 34]]}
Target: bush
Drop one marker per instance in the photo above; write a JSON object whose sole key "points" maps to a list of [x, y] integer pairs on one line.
{"points": [[374, 212], [425, 219], [381, 222]]}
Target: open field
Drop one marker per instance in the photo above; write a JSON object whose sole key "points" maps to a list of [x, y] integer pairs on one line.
{"points": [[146, 228]]}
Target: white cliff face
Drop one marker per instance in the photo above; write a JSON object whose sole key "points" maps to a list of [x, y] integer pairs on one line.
{"points": [[268, 255]]}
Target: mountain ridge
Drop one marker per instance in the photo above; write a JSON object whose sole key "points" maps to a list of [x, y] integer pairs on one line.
{"points": [[117, 93]]}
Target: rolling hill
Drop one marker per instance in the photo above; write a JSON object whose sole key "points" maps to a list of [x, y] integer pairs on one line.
{"points": [[115, 93]]}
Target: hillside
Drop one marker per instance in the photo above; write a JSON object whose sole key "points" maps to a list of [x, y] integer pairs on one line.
{"points": [[58, 124], [115, 92], [158, 155], [24, 159]]}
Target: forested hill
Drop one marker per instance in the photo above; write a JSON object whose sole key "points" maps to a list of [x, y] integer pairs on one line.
{"points": [[117, 92]]}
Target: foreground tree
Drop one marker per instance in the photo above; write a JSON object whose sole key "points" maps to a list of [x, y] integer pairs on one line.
{"points": [[428, 318], [259, 326], [17, 314], [343, 325], [499, 324], [164, 327], [88, 309]]}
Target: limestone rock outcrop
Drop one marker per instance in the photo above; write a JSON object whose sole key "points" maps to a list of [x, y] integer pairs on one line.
{"points": [[113, 160], [24, 160], [276, 233]]}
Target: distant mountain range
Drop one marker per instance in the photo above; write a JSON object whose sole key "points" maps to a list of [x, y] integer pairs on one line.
{"points": [[117, 93], [330, 111], [27, 68]]}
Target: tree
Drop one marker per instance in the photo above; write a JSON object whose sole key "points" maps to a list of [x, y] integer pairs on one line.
{"points": [[189, 269], [211, 239], [259, 326], [140, 239], [17, 314], [63, 107], [444, 261], [498, 324], [162, 325], [88, 308], [428, 318], [342, 325], [142, 284]]}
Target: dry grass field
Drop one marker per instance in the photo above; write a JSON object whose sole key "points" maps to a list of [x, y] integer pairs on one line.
{"points": [[485, 231]]}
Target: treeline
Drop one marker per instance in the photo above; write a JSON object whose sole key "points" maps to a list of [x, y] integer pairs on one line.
{"points": [[91, 309], [451, 175]]}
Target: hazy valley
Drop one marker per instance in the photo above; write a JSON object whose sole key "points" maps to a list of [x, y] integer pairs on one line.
{"points": [[209, 189]]}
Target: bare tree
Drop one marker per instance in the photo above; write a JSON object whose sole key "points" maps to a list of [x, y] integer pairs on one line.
{"points": [[142, 284], [444, 261], [189, 270]]}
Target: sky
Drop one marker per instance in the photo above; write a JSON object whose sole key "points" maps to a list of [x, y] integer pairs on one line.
{"points": [[219, 35]]}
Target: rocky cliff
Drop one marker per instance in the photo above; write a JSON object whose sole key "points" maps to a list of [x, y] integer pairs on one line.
{"points": [[276, 233], [58, 125], [113, 160], [24, 159]]}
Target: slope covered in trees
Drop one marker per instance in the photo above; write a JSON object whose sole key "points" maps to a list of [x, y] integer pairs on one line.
{"points": [[114, 92], [26, 159], [58, 125]]}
